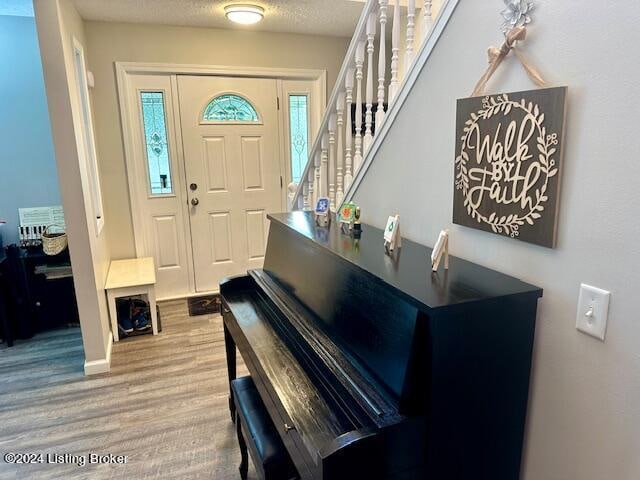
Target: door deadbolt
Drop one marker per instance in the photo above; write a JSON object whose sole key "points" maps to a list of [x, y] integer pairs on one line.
{"points": [[193, 186], [195, 201]]}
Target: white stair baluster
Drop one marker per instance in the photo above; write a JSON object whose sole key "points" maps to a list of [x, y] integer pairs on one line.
{"points": [[316, 182], [340, 149], [395, 52], [324, 165], [368, 120], [294, 203], [310, 181], [411, 31], [339, 153], [382, 63], [348, 132], [427, 19], [332, 162], [305, 194], [357, 158]]}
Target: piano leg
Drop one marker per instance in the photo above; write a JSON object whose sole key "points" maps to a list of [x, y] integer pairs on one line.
{"points": [[244, 458], [230, 348]]}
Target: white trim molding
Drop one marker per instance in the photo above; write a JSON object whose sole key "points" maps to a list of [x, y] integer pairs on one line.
{"points": [[96, 367], [221, 70]]}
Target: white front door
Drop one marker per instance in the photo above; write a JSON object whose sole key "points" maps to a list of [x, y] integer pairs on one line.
{"points": [[231, 148]]}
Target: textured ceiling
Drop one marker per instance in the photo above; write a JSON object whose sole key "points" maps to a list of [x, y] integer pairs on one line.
{"points": [[320, 17]]}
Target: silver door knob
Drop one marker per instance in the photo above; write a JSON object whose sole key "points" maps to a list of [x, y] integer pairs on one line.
{"points": [[195, 201], [288, 427]]}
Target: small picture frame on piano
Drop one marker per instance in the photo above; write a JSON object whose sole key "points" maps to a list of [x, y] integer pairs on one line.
{"points": [[441, 249], [392, 238], [321, 212], [346, 216]]}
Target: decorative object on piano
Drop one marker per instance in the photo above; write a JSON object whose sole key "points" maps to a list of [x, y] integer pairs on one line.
{"points": [[346, 216], [392, 238], [54, 240], [441, 249], [321, 212], [357, 226]]}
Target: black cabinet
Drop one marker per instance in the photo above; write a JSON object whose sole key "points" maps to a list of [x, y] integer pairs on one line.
{"points": [[6, 330], [40, 291]]}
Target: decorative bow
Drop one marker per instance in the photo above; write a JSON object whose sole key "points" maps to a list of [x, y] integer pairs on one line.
{"points": [[497, 55]]}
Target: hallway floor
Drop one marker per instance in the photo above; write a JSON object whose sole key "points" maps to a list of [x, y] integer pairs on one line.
{"points": [[164, 404]]}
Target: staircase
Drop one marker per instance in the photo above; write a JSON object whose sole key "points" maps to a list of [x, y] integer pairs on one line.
{"points": [[352, 130]]}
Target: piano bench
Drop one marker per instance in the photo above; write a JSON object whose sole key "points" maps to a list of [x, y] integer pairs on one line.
{"points": [[253, 423]]}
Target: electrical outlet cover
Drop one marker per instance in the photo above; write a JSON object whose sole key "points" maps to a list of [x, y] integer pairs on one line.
{"points": [[593, 310]]}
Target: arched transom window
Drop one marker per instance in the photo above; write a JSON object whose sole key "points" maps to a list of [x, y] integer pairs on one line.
{"points": [[230, 108]]}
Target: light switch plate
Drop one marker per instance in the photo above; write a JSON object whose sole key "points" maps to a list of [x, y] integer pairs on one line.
{"points": [[593, 310]]}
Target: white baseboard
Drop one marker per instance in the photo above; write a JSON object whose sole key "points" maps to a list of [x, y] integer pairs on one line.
{"points": [[95, 367]]}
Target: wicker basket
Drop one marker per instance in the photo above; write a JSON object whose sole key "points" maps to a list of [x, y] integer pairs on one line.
{"points": [[53, 243]]}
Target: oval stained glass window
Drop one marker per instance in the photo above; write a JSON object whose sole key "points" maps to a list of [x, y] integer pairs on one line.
{"points": [[230, 108]]}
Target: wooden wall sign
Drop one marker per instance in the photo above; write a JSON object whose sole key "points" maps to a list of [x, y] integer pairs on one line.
{"points": [[508, 163]]}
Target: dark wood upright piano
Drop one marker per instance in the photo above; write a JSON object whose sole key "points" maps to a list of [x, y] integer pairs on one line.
{"points": [[373, 367]]}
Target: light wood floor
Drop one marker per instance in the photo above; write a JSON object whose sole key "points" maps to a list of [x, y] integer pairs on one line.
{"points": [[164, 404]]}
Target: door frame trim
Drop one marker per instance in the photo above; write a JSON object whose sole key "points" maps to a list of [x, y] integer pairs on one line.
{"points": [[127, 120]]}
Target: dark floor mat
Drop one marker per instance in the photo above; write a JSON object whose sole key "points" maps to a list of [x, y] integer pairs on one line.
{"points": [[205, 305]]}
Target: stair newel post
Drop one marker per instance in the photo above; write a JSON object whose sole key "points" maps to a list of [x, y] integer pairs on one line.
{"points": [[368, 120], [395, 52], [348, 134], [427, 19], [382, 62], [324, 165], [340, 149], [332, 162], [357, 158], [411, 32]]}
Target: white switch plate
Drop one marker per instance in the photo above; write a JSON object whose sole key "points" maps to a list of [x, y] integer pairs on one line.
{"points": [[593, 309]]}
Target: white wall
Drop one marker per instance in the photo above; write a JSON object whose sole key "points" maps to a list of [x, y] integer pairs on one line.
{"points": [[584, 414], [58, 23], [28, 175]]}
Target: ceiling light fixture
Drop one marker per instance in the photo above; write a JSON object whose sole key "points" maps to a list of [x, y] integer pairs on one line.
{"points": [[244, 14]]}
